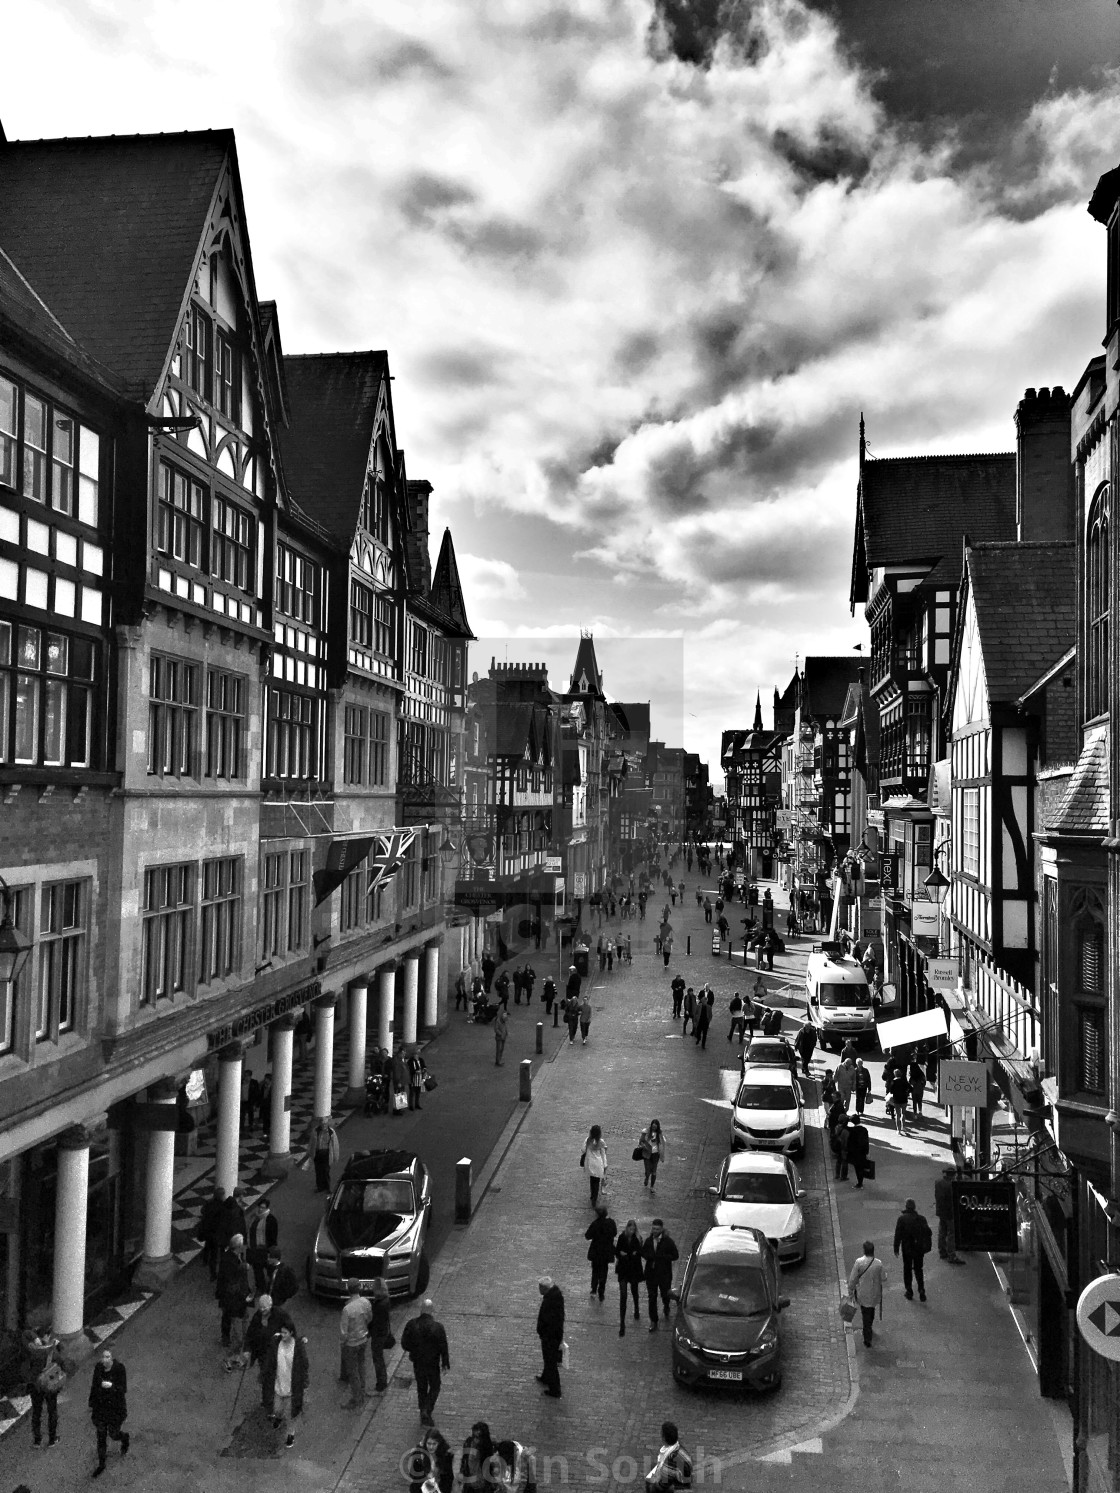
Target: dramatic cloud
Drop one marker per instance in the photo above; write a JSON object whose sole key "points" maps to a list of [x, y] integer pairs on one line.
{"points": [[640, 264]]}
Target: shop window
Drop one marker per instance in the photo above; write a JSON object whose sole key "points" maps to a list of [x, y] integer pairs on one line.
{"points": [[220, 939], [172, 717], [46, 697], [168, 925], [62, 936], [225, 724]]}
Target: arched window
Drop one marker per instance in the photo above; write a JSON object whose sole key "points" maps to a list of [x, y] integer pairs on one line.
{"points": [[1097, 595]]}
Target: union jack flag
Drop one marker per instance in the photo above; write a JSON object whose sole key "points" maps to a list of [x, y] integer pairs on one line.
{"points": [[388, 856]]}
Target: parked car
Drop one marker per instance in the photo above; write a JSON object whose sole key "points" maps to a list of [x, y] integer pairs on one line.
{"points": [[727, 1328], [375, 1226], [763, 1191], [767, 1113], [773, 1052]]}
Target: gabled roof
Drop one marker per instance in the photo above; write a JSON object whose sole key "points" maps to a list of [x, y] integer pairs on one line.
{"points": [[108, 230], [917, 510], [586, 679], [25, 311], [447, 592], [824, 684], [1025, 597], [1084, 809], [332, 403]]}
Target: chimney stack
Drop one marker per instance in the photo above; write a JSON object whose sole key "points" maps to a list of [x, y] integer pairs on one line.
{"points": [[1044, 494]]}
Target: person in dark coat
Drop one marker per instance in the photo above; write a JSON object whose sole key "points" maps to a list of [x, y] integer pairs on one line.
{"points": [[528, 980], [690, 1008], [430, 1461], [40, 1348], [859, 1144], [702, 1021], [548, 994], [899, 1090], [425, 1342], [261, 1236], [600, 1251], [571, 1014], [659, 1253], [573, 983], [417, 1073], [630, 1270], [231, 1220], [678, 996], [861, 1086], [806, 1044], [488, 968], [913, 1237], [380, 1333], [209, 1229], [916, 1078], [263, 1326], [108, 1406], [946, 1218], [266, 1101], [501, 988], [284, 1375], [550, 1330], [474, 1461], [234, 1291]]}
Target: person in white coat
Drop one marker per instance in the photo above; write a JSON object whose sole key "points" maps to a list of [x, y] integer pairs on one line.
{"points": [[595, 1160], [865, 1288]]}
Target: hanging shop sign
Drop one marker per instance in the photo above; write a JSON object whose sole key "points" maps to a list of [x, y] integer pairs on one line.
{"points": [[1098, 1316], [941, 975], [962, 1085], [925, 919], [986, 1216], [888, 871]]}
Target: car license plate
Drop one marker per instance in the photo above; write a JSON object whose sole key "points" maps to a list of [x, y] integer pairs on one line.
{"points": [[725, 1373]]}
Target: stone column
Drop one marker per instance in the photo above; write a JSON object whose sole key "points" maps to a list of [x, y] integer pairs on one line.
{"points": [[157, 1266], [324, 1053], [431, 988], [359, 999], [386, 996], [280, 1115], [229, 1118], [70, 1208], [411, 992]]}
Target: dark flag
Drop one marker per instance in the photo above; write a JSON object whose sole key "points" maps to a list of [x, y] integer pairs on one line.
{"points": [[342, 857]]}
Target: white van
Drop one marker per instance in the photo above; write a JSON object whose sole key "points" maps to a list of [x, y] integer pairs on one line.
{"points": [[838, 998]]}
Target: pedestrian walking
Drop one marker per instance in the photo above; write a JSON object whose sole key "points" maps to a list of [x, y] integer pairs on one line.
{"points": [[573, 983], [528, 980], [108, 1404], [231, 1220], [690, 1008], [840, 1147], [629, 952], [430, 1466], [629, 1267], [593, 1158], [667, 947], [303, 1035], [475, 1467], [862, 1086], [262, 1235], [707, 909], [425, 1342], [610, 955], [280, 1280], [501, 988], [501, 1034], [678, 995], [600, 1251], [353, 1330], [738, 1020], [859, 1146], [322, 1149], [601, 950], [550, 1330], [263, 1326], [659, 1254], [518, 984], [285, 1372], [45, 1377], [651, 1143], [548, 994], [916, 1078], [865, 1288], [266, 1101], [673, 1468], [208, 1228], [703, 1021], [380, 1332], [463, 990], [585, 1018], [900, 1092], [849, 1052], [758, 1004], [488, 968], [912, 1236], [805, 1044], [234, 1292], [943, 1207], [571, 1016], [846, 1081]]}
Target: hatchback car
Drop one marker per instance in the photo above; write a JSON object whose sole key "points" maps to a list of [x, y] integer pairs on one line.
{"points": [[767, 1113], [763, 1192], [771, 1052], [726, 1330], [375, 1227]]}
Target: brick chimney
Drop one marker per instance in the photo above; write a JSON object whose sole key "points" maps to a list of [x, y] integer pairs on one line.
{"points": [[1044, 494]]}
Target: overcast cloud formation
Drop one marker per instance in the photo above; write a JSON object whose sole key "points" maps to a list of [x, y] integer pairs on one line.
{"points": [[639, 268]]}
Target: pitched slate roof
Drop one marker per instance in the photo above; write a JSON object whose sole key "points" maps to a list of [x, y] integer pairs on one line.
{"points": [[586, 664], [23, 309], [919, 508], [107, 230], [1084, 809], [825, 683], [1025, 597], [332, 401], [447, 591]]}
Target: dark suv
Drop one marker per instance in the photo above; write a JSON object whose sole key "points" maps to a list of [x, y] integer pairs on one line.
{"points": [[726, 1330], [375, 1226]]}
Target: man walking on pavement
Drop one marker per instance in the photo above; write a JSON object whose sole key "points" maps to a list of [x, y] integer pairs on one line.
{"points": [[913, 1237], [865, 1288], [353, 1329], [703, 1019], [501, 1033], [946, 1220], [738, 1021], [859, 1146], [659, 1253], [806, 1044], [678, 996], [425, 1342], [585, 1018], [550, 1330], [234, 1292]]}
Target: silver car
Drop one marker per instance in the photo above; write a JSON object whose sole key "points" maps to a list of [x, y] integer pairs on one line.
{"points": [[764, 1192], [375, 1227]]}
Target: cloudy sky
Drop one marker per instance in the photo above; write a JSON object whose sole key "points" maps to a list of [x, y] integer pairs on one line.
{"points": [[639, 265]]}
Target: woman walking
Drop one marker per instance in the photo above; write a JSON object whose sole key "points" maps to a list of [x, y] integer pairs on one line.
{"points": [[417, 1073], [916, 1077], [600, 1250], [45, 1377], [652, 1144], [594, 1158], [585, 1017], [571, 1016], [431, 1462], [474, 1460], [630, 1271]]}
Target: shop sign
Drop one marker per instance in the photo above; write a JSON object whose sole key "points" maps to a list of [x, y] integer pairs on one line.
{"points": [[962, 1085], [888, 871], [870, 917], [553, 864], [925, 919], [242, 1026], [476, 897], [986, 1216], [941, 975], [783, 818], [579, 883], [1098, 1316]]}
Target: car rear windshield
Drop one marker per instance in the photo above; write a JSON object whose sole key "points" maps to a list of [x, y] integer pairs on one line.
{"points": [[743, 1187], [845, 995], [386, 1195], [770, 1052], [765, 1096], [727, 1289]]}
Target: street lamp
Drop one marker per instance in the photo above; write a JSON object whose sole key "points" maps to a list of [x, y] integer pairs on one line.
{"points": [[937, 884], [14, 945]]}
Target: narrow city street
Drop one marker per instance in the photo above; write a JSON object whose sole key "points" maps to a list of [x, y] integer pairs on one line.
{"points": [[946, 1398]]}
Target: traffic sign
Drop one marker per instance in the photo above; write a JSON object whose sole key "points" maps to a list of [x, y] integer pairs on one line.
{"points": [[1098, 1316]]}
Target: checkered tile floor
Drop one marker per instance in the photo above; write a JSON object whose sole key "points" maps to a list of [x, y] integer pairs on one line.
{"points": [[187, 1206]]}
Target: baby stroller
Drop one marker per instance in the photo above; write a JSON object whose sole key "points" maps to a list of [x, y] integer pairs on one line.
{"points": [[484, 1012], [377, 1093]]}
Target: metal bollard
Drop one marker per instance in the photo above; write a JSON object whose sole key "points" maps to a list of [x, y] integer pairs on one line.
{"points": [[463, 1190], [525, 1093], [688, 944], [540, 1036]]}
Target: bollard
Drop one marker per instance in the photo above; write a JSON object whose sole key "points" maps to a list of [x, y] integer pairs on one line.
{"points": [[463, 1190], [526, 1091], [688, 944], [540, 1036], [556, 1012]]}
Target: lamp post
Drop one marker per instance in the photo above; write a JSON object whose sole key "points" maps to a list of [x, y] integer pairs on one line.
{"points": [[14, 945], [937, 884]]}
